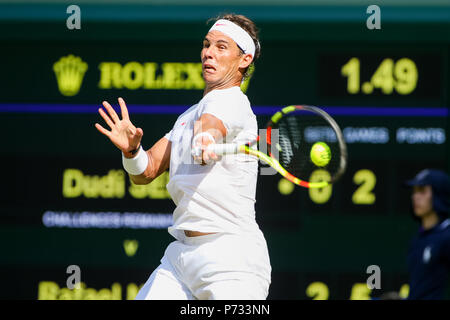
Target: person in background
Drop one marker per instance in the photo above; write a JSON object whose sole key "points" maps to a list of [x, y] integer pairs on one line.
{"points": [[429, 251]]}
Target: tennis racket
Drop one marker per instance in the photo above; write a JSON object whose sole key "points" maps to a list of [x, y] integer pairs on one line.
{"points": [[299, 127]]}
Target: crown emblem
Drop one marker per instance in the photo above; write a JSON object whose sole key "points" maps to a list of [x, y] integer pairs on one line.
{"points": [[69, 73], [130, 247]]}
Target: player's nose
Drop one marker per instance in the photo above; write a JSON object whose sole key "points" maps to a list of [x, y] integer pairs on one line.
{"points": [[207, 53]]}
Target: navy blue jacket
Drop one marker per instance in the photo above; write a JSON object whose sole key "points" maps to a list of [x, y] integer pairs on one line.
{"points": [[429, 262]]}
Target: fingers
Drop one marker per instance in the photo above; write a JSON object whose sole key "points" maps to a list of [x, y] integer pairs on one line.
{"points": [[213, 156], [102, 130], [197, 153], [106, 118], [209, 156], [111, 111], [135, 132], [206, 156], [135, 137], [203, 141], [139, 132], [131, 131], [123, 108]]}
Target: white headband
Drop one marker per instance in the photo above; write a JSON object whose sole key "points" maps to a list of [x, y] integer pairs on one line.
{"points": [[239, 35]]}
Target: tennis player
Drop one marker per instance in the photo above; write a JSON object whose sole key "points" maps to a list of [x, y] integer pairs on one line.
{"points": [[219, 251]]}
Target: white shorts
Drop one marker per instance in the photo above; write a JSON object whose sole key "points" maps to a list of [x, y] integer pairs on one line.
{"points": [[217, 266]]}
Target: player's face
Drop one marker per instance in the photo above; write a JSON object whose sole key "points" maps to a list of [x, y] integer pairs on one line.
{"points": [[221, 59], [422, 200]]}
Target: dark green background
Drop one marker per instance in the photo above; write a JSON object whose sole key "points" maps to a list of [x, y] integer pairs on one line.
{"points": [[333, 243]]}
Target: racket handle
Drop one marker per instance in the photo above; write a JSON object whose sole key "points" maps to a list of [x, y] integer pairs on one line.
{"points": [[217, 148], [223, 148]]}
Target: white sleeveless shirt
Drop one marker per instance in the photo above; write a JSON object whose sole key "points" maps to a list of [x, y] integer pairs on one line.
{"points": [[218, 197]]}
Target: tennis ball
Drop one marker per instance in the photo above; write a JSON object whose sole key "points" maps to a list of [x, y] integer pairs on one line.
{"points": [[320, 154], [285, 186]]}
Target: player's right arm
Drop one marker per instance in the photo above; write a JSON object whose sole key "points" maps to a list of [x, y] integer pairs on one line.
{"points": [[126, 137], [158, 162]]}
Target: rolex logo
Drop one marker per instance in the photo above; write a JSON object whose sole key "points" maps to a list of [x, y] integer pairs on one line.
{"points": [[69, 73]]}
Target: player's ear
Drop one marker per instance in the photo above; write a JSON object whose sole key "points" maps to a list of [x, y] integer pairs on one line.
{"points": [[246, 60]]}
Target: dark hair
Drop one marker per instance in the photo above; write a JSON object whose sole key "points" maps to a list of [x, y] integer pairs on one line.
{"points": [[249, 26]]}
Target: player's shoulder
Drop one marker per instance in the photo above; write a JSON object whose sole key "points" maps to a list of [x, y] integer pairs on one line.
{"points": [[188, 111], [232, 98], [234, 94]]}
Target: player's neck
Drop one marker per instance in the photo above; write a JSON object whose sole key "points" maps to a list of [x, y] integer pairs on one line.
{"points": [[430, 220], [221, 86]]}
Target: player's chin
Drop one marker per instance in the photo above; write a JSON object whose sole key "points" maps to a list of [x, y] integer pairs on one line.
{"points": [[418, 212], [210, 77]]}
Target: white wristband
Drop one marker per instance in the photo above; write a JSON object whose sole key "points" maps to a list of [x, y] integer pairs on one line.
{"points": [[136, 165]]}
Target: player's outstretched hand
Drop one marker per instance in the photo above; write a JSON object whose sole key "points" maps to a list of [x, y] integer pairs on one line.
{"points": [[124, 135]]}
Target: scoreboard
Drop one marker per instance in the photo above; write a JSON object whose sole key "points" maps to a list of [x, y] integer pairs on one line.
{"points": [[66, 200]]}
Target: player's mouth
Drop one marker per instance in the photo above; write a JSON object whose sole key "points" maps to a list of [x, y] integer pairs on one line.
{"points": [[208, 68]]}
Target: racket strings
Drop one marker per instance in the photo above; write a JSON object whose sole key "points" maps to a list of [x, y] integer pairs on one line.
{"points": [[298, 131]]}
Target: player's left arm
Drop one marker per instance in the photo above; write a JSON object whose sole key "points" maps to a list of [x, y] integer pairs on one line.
{"points": [[208, 129]]}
